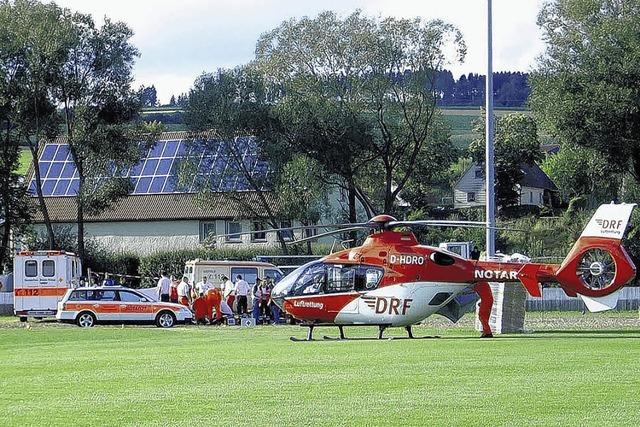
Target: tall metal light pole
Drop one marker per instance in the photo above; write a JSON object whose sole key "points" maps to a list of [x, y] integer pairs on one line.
{"points": [[490, 201]]}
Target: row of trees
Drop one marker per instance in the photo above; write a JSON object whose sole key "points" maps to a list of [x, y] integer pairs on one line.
{"points": [[62, 73], [511, 89]]}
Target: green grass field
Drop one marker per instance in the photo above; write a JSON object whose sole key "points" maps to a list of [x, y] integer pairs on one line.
{"points": [[461, 120], [58, 374]]}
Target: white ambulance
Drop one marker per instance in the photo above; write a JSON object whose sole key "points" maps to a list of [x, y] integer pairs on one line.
{"points": [[40, 280], [196, 269]]}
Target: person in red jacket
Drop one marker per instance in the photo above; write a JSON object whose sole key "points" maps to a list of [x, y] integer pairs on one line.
{"points": [[173, 290], [484, 311]]}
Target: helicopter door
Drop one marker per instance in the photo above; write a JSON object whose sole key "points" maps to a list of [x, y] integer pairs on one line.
{"points": [[341, 280]]}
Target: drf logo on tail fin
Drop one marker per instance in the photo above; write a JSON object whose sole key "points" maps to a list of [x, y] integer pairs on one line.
{"points": [[388, 305], [609, 224]]}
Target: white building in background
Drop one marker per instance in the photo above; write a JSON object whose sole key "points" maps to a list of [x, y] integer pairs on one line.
{"points": [[535, 187], [159, 215]]}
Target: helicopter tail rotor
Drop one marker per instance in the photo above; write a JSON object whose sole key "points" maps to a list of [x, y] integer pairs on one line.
{"points": [[598, 265]]}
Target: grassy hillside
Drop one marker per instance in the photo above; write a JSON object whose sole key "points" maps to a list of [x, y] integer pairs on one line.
{"points": [[462, 123]]}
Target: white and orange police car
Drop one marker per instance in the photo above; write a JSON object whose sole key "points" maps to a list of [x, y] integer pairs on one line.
{"points": [[116, 304]]}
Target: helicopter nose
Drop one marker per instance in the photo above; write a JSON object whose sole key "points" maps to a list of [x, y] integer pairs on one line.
{"points": [[279, 301], [279, 293]]}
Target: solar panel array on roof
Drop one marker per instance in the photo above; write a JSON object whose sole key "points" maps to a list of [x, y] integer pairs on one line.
{"points": [[157, 172]]}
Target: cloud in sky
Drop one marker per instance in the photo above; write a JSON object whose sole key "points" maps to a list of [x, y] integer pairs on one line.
{"points": [[180, 40]]}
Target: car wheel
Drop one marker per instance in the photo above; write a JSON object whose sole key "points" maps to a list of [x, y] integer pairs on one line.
{"points": [[23, 318], [86, 320], [165, 319]]}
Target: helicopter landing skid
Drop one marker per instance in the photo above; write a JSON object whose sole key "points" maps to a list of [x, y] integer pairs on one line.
{"points": [[342, 337], [380, 336]]}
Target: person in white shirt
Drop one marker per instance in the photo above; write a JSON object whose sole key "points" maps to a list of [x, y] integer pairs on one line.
{"points": [[241, 290], [202, 287], [228, 291], [184, 292], [164, 285]]}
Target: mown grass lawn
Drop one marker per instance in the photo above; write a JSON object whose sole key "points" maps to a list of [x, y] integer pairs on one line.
{"points": [[55, 375]]}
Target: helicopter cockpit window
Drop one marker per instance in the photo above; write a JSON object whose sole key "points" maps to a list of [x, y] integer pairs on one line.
{"points": [[346, 278], [341, 278], [333, 278], [371, 276], [311, 281]]}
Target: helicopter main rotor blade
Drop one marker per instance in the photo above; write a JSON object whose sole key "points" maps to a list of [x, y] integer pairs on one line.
{"points": [[330, 233], [447, 223], [277, 230]]}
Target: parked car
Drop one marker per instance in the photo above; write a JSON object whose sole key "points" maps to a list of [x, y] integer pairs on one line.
{"points": [[117, 304]]}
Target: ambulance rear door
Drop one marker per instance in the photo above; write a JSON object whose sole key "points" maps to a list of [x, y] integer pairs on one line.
{"points": [[26, 284]]}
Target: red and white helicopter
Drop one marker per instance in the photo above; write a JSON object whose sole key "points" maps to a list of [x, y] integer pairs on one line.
{"points": [[393, 281]]}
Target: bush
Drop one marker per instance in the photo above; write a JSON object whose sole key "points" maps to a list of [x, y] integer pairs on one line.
{"points": [[577, 204]]}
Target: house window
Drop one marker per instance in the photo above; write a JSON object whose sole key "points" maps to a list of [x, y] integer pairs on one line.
{"points": [[310, 232], [207, 230], [479, 173], [471, 197], [286, 234], [258, 237], [531, 197], [233, 227]]}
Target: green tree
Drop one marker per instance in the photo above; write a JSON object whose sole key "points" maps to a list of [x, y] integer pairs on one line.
{"points": [[99, 110], [378, 71], [303, 193], [148, 96], [35, 38], [585, 88], [233, 104], [579, 171], [431, 180], [516, 143]]}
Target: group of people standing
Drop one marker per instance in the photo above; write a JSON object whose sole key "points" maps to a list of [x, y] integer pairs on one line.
{"points": [[170, 289]]}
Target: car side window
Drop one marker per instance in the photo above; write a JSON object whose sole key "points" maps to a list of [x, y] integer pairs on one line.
{"points": [[78, 296], [106, 295], [129, 297]]}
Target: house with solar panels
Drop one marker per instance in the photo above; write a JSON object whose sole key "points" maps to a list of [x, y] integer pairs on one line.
{"points": [[162, 212]]}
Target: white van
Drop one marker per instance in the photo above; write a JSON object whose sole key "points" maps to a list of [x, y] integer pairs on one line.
{"points": [[196, 269], [40, 280]]}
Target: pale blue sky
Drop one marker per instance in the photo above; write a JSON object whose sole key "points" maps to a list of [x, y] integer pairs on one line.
{"points": [[179, 39]]}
